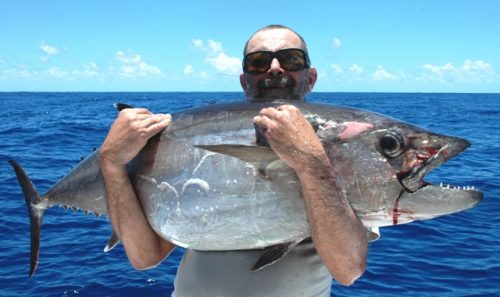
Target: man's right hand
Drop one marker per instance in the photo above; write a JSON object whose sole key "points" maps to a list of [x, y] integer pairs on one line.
{"points": [[129, 134]]}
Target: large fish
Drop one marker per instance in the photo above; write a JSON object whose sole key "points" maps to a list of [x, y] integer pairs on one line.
{"points": [[210, 182]]}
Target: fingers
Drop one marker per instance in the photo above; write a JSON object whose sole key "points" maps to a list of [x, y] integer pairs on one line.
{"points": [[138, 125], [143, 120], [283, 115], [155, 120], [130, 132], [157, 123]]}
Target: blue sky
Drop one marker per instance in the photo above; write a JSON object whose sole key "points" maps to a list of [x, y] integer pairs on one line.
{"points": [[357, 46]]}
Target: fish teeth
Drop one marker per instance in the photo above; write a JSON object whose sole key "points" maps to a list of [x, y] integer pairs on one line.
{"points": [[452, 187]]}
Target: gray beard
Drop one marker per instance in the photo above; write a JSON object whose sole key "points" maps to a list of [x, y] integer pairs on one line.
{"points": [[295, 91]]}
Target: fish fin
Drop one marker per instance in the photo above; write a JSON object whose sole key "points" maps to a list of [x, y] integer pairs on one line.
{"points": [[273, 253], [372, 233], [32, 199], [112, 242], [247, 153], [260, 138], [121, 106]]}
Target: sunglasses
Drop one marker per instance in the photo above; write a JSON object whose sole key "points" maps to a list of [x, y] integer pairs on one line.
{"points": [[291, 59]]}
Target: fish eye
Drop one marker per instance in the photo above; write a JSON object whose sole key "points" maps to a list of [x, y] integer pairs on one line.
{"points": [[392, 144]]}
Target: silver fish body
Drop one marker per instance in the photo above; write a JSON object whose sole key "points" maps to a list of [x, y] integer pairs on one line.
{"points": [[207, 182]]}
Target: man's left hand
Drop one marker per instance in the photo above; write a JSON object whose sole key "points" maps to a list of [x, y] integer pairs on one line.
{"points": [[291, 136]]}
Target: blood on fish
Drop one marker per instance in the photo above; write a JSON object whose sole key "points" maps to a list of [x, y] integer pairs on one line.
{"points": [[395, 211], [431, 151]]}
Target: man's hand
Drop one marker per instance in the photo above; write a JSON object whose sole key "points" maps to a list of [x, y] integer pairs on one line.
{"points": [[129, 134], [291, 136]]}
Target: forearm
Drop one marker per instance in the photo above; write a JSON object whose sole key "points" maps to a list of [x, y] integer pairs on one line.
{"points": [[143, 246], [338, 235]]}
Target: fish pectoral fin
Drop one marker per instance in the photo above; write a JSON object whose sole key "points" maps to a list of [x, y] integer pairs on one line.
{"points": [[112, 242], [273, 253], [372, 233], [247, 153]]}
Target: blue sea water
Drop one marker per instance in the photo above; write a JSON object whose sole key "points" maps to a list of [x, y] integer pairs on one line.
{"points": [[48, 133]]}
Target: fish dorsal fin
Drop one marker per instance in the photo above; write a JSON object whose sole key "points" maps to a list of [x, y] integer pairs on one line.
{"points": [[112, 242], [247, 153], [274, 253], [121, 106]]}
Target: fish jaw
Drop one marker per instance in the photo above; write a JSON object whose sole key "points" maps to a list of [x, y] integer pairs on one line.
{"points": [[427, 152], [432, 201]]}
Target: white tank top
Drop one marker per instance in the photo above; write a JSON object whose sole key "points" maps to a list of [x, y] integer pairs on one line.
{"points": [[227, 274]]}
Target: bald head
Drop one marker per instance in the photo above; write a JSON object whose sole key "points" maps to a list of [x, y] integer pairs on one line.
{"points": [[273, 37]]}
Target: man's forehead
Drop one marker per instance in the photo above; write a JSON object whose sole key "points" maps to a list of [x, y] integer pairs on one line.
{"points": [[273, 40]]}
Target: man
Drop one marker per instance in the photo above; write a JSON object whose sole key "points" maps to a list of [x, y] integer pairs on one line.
{"points": [[276, 65]]}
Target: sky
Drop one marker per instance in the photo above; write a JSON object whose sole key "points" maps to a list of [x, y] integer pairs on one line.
{"points": [[163, 46]]}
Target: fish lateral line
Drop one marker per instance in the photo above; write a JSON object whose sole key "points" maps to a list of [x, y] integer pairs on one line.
{"points": [[247, 153]]}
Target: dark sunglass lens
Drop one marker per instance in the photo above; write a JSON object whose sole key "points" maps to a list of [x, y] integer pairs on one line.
{"points": [[292, 59], [258, 62]]}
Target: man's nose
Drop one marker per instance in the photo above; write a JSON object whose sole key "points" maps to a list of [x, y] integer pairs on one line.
{"points": [[275, 68]]}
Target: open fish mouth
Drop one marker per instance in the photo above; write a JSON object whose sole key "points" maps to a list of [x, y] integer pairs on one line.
{"points": [[423, 156], [423, 200]]}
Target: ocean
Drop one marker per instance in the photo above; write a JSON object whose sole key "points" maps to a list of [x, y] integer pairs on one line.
{"points": [[48, 133]]}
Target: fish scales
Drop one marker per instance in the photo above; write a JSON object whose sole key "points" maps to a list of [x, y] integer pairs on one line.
{"points": [[207, 183]]}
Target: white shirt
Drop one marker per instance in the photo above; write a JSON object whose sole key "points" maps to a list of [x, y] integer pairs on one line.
{"points": [[227, 274]]}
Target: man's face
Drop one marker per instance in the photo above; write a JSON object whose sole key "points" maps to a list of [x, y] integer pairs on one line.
{"points": [[276, 82]]}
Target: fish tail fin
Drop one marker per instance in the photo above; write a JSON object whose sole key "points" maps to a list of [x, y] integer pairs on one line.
{"points": [[32, 199]]}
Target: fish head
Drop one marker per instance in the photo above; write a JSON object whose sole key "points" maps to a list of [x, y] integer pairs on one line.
{"points": [[413, 152], [381, 170]]}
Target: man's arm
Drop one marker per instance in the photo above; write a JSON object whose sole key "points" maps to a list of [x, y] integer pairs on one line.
{"points": [[338, 235], [128, 135]]}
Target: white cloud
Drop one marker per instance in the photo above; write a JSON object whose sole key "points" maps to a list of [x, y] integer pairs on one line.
{"points": [[469, 71], [336, 43], [197, 44], [382, 74], [17, 74], [189, 71], [225, 64], [56, 72], [348, 74], [89, 71], [214, 46], [211, 46], [133, 66], [337, 69], [356, 69], [48, 50], [216, 57]]}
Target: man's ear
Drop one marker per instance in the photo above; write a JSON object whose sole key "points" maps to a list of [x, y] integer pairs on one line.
{"points": [[243, 81], [312, 76]]}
